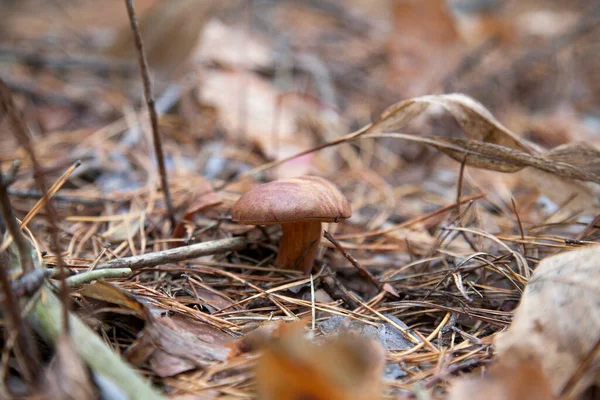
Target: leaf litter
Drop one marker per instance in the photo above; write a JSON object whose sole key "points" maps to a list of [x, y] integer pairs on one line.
{"points": [[452, 244]]}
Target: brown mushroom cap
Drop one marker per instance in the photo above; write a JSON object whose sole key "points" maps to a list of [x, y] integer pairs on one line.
{"points": [[292, 200]]}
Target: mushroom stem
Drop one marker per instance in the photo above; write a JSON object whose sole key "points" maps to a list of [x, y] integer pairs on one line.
{"points": [[299, 244]]}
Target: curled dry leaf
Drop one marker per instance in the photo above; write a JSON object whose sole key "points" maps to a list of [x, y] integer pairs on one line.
{"points": [[477, 122], [170, 343], [170, 30], [347, 367], [183, 344], [558, 320], [490, 145]]}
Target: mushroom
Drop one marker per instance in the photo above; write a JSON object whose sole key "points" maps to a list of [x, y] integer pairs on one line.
{"points": [[299, 205]]}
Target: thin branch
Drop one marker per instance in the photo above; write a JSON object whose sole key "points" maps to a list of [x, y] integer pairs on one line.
{"points": [[23, 136], [12, 312], [13, 226], [158, 150], [88, 276], [177, 254], [366, 274]]}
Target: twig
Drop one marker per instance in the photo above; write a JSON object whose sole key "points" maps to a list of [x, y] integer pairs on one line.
{"points": [[36, 194], [334, 288], [366, 274], [58, 61], [46, 317], [28, 284], [453, 369], [158, 150], [459, 189], [12, 312], [22, 134], [88, 276], [177, 254], [521, 230], [13, 228]]}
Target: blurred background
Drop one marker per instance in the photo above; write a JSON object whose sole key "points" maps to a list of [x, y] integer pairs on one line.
{"points": [[239, 83]]}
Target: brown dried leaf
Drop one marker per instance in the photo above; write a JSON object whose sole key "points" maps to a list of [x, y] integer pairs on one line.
{"points": [[170, 30], [110, 293], [422, 46], [347, 367], [202, 197], [558, 321], [172, 343], [184, 343]]}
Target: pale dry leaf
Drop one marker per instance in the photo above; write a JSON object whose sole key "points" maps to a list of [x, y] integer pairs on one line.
{"points": [[254, 108], [495, 157], [347, 367], [170, 30], [232, 47], [423, 44], [579, 154], [505, 380], [558, 320], [477, 122]]}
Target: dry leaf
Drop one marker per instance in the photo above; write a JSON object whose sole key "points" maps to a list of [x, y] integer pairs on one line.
{"points": [[477, 122], [202, 197], [183, 343], [253, 107], [347, 367], [170, 30], [110, 293], [67, 377], [515, 380], [490, 145], [424, 42], [171, 343], [558, 320], [233, 47]]}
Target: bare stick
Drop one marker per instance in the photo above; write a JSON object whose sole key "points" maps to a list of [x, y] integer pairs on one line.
{"points": [[158, 150], [23, 136], [88, 276], [25, 341], [13, 226], [177, 254], [366, 274], [459, 189]]}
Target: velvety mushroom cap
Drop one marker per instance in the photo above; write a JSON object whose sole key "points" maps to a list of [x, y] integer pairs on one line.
{"points": [[292, 200]]}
